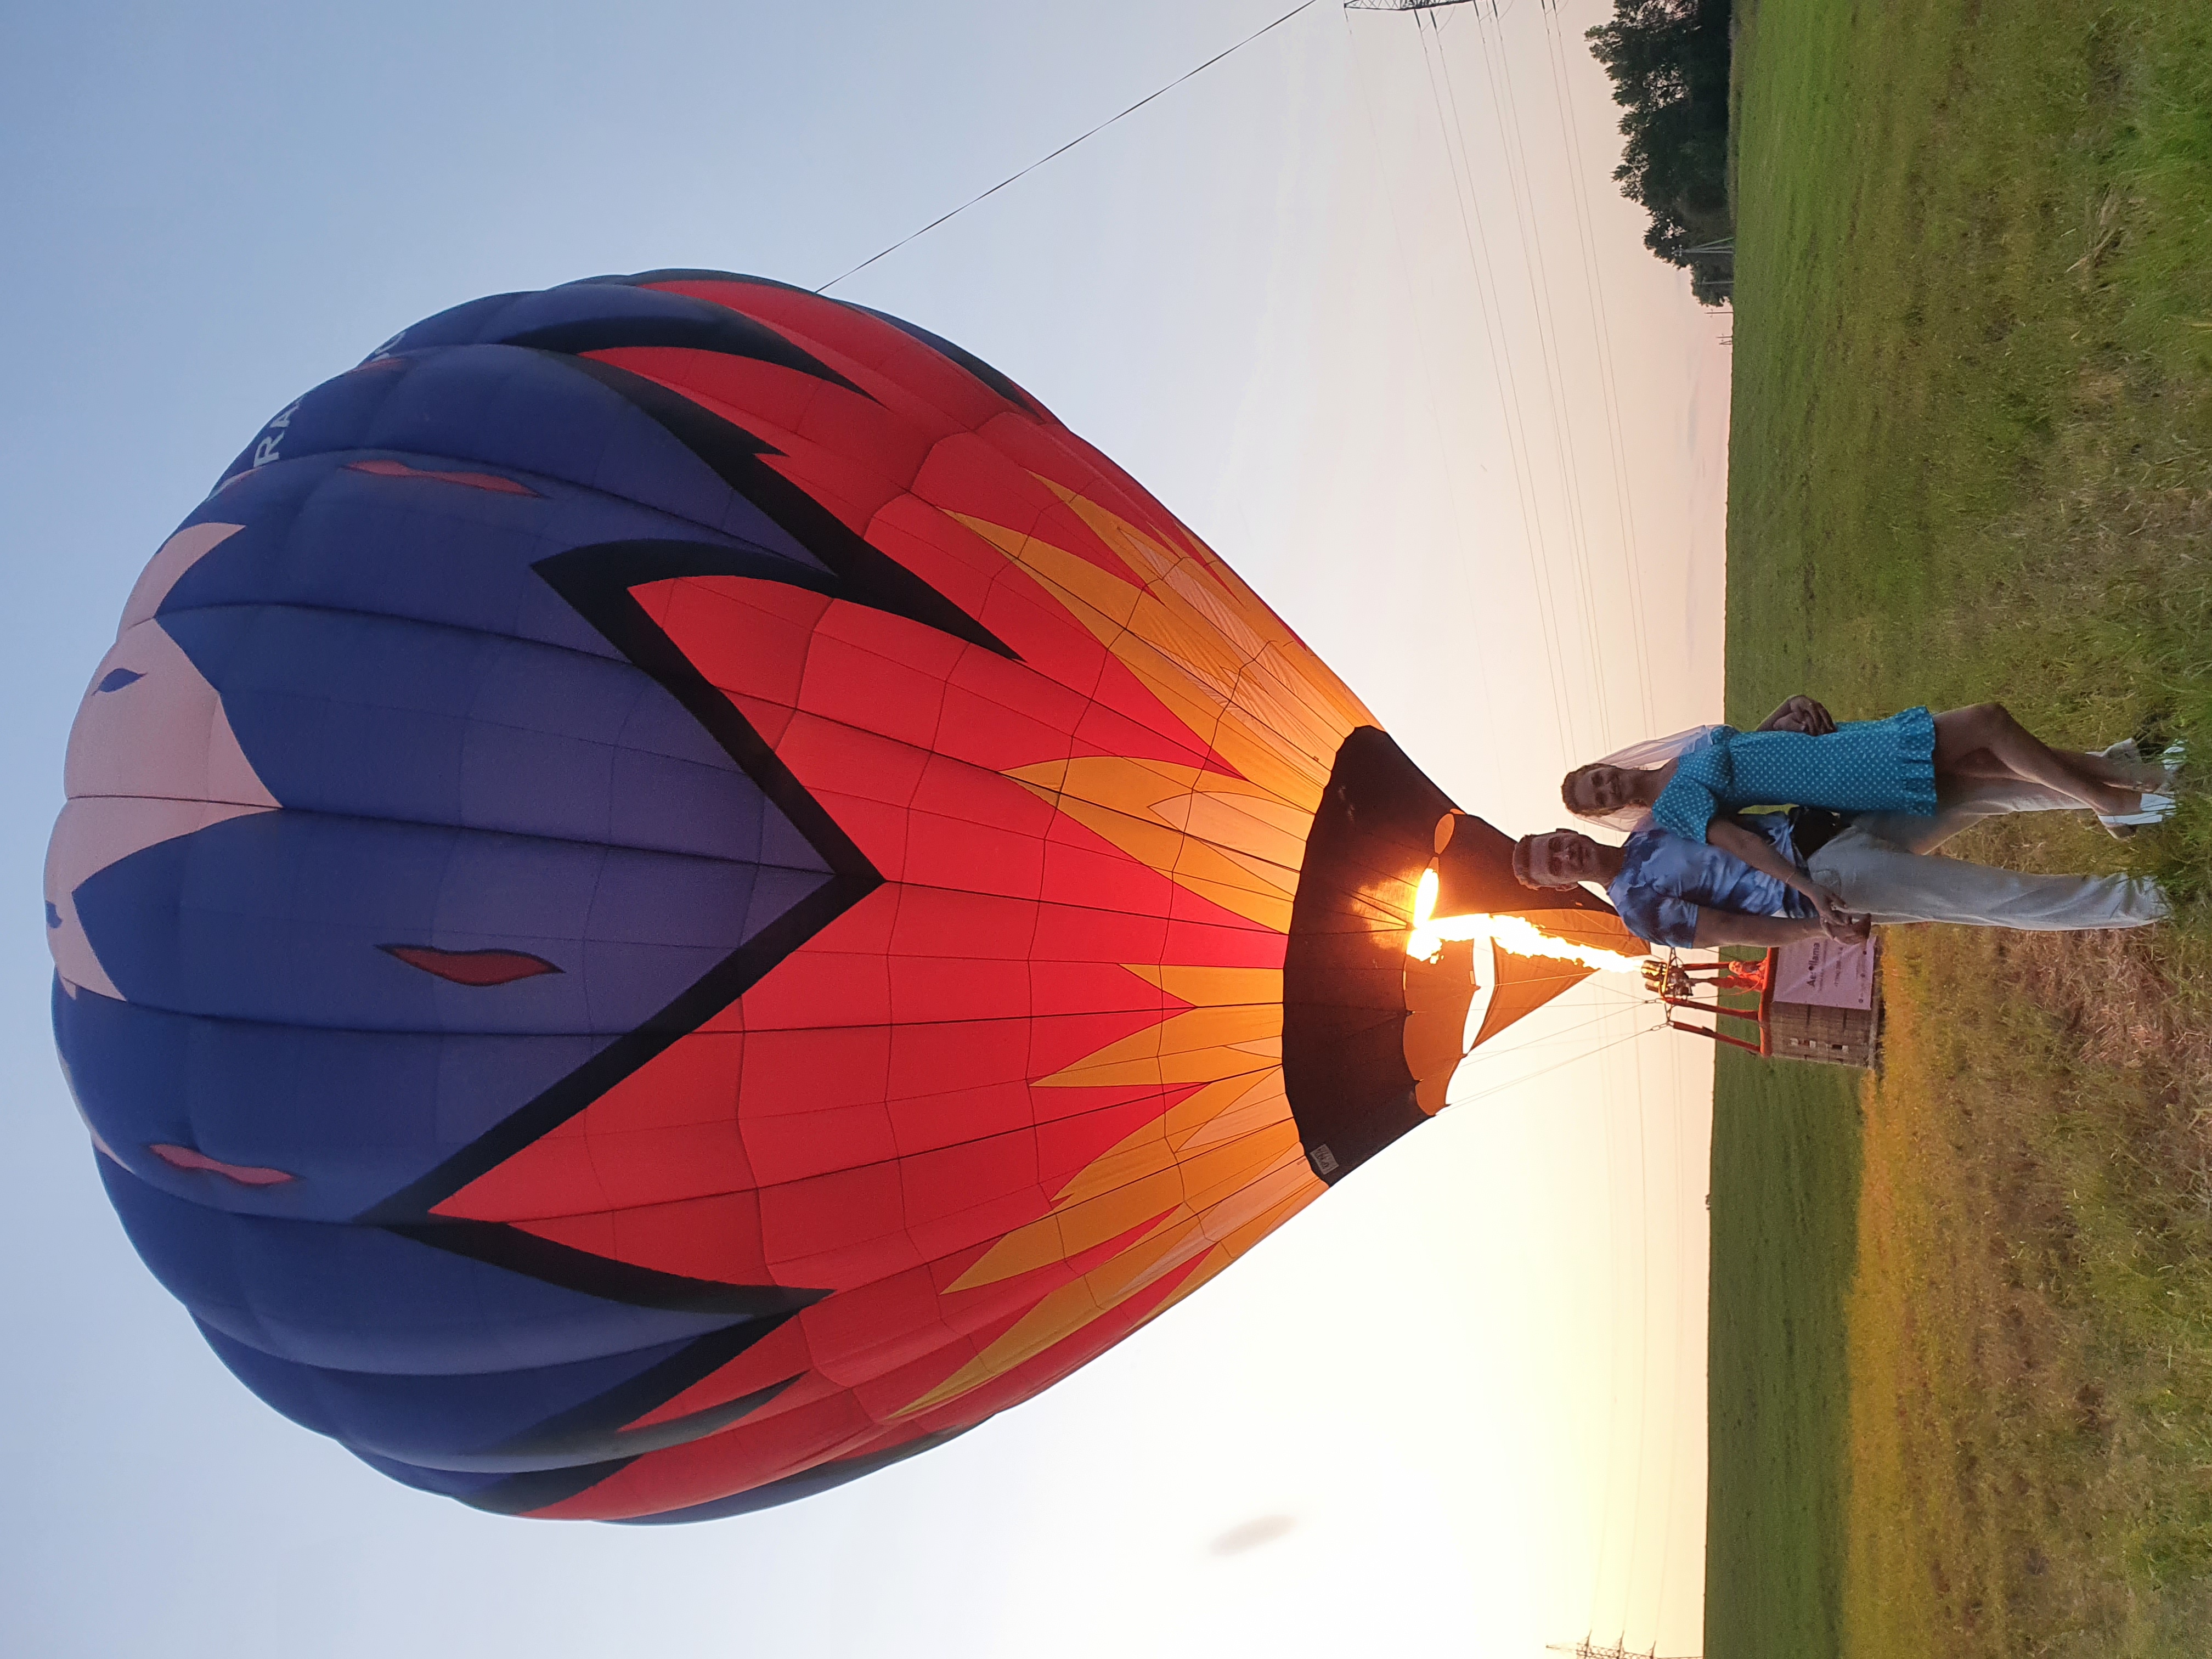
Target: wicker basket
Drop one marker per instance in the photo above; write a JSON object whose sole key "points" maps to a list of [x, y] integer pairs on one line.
{"points": [[1836, 1036]]}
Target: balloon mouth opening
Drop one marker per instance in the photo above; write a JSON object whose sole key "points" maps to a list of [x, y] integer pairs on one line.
{"points": [[1412, 945]]}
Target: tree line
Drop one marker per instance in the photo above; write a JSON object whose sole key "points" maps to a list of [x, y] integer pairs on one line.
{"points": [[1670, 63]]}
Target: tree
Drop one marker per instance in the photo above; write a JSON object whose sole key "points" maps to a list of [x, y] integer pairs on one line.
{"points": [[1668, 60]]}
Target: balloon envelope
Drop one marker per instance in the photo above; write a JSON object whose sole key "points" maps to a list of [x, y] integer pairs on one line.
{"points": [[672, 893]]}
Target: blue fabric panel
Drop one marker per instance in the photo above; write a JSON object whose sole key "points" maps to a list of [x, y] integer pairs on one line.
{"points": [[468, 323], [364, 715], [353, 1115], [579, 302], [444, 1483], [317, 533], [529, 416], [362, 1299], [280, 917], [442, 1422], [603, 301], [502, 316], [344, 403]]}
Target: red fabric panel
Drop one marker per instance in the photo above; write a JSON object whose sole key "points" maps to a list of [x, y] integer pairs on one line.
{"points": [[933, 989], [1067, 1144], [794, 410], [747, 392], [926, 1122], [934, 923], [850, 760], [870, 691], [882, 353], [1058, 1041], [948, 556], [938, 1057], [1087, 932], [1054, 452], [1093, 988], [965, 474], [811, 1141], [744, 636], [962, 1178], [877, 1327], [745, 1455], [714, 1238], [966, 856], [806, 1069], [817, 988], [551, 1176], [780, 1353], [838, 1229], [999, 736]]}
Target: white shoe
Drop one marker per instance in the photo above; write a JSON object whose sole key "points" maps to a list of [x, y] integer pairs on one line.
{"points": [[2156, 807]]}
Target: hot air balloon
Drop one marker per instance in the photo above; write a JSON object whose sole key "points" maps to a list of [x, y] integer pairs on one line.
{"points": [[673, 893]]}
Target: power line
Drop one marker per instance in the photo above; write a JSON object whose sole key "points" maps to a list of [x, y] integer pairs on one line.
{"points": [[1473, 233], [1513, 151], [1624, 493], [1428, 361], [1529, 227], [1304, 5]]}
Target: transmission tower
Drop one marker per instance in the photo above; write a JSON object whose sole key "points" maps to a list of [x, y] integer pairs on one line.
{"points": [[1587, 1648]]}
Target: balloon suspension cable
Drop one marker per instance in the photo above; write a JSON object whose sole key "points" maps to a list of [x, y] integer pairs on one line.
{"points": [[1305, 5]]}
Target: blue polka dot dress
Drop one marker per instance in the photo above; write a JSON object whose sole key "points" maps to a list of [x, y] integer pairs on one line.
{"points": [[1862, 766]]}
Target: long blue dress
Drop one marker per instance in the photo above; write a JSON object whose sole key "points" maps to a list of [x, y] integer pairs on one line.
{"points": [[1862, 766]]}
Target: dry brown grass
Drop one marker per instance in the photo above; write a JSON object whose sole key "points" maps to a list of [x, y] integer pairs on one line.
{"points": [[2030, 1422]]}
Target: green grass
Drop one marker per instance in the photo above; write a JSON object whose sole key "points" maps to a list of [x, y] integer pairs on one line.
{"points": [[1971, 458], [1971, 428], [1785, 1182]]}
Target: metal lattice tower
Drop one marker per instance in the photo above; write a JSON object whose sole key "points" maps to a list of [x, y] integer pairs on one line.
{"points": [[1587, 1648]]}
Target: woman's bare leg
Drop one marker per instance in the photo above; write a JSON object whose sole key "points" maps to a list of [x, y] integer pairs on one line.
{"points": [[1967, 739], [2129, 774], [1981, 764]]}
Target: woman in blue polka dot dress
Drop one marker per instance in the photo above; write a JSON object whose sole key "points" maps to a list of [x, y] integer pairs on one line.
{"points": [[1892, 765]]}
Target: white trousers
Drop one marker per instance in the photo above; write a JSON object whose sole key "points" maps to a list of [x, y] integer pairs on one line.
{"points": [[1892, 883]]}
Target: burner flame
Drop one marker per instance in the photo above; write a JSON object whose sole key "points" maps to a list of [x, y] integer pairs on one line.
{"points": [[1514, 933]]}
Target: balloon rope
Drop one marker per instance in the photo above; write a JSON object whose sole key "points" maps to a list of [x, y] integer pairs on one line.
{"points": [[1305, 5]]}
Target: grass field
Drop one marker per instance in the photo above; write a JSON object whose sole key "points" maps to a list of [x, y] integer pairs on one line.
{"points": [[1785, 1184], [1962, 1315]]}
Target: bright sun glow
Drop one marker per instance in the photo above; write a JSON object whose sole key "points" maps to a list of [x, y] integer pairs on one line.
{"points": [[1510, 933]]}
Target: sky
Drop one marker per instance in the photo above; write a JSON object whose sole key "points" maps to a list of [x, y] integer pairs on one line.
{"points": [[1362, 306]]}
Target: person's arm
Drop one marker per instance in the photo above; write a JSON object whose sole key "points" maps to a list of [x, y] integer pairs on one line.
{"points": [[1716, 927], [1760, 854], [1800, 713]]}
